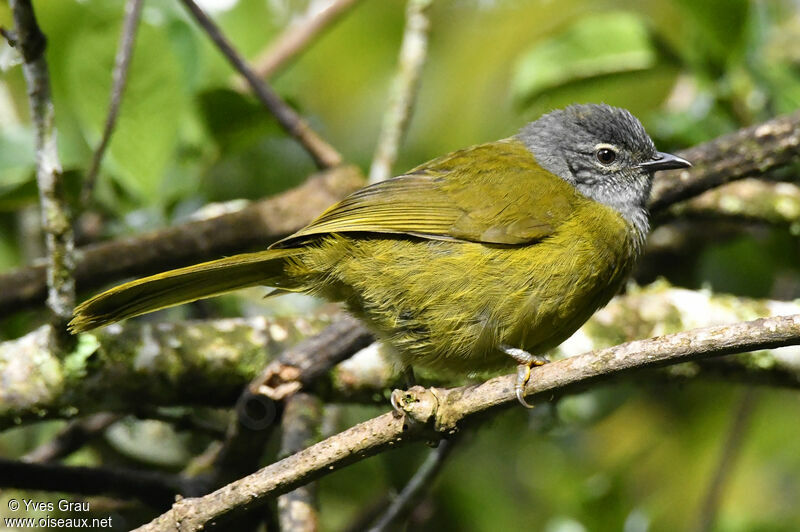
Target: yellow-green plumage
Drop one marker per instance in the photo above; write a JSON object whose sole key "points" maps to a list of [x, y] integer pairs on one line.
{"points": [[476, 249], [476, 260]]}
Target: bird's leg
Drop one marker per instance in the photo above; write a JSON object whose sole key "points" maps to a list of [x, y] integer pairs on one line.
{"points": [[526, 362], [410, 381]]}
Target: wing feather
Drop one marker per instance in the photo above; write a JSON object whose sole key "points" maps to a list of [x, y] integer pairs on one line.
{"points": [[493, 193]]}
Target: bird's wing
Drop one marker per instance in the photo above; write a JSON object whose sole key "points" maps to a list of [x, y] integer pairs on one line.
{"points": [[492, 193]]}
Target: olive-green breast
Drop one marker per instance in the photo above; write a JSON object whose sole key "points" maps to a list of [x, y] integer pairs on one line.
{"points": [[479, 248]]}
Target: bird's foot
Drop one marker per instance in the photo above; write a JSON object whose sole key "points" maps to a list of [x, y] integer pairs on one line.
{"points": [[526, 362]]}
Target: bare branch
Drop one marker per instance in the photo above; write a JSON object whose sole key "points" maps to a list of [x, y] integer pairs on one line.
{"points": [[155, 489], [133, 10], [256, 225], [435, 412], [404, 89], [56, 220], [297, 38], [324, 155], [749, 152], [314, 357]]}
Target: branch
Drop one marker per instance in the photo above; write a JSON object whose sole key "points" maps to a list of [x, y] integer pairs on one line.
{"points": [[192, 363], [297, 37], [209, 363], [133, 9], [258, 224], [71, 438], [297, 509], [749, 152], [324, 155], [404, 89], [435, 413], [155, 489], [258, 409], [55, 213], [417, 485], [653, 310], [309, 360], [748, 199]]}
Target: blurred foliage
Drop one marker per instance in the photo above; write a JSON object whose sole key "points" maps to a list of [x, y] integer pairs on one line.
{"points": [[618, 458]]}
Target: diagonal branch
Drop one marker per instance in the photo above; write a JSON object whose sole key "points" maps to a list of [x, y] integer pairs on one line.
{"points": [[416, 486], [297, 37], [435, 413], [749, 152], [133, 10], [324, 155]]}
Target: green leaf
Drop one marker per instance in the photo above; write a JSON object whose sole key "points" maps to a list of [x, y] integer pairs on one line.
{"points": [[593, 46], [152, 107]]}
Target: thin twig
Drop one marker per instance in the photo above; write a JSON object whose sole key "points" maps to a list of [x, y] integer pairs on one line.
{"points": [[298, 37], [419, 483], [433, 413], [297, 510], [133, 10], [324, 155], [740, 423], [71, 438], [56, 220], [404, 89]]}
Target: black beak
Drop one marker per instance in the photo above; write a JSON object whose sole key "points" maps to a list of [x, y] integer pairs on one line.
{"points": [[665, 161]]}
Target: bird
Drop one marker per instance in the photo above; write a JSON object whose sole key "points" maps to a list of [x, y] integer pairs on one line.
{"points": [[475, 261]]}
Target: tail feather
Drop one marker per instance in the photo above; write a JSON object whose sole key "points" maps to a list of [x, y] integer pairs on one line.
{"points": [[182, 286]]}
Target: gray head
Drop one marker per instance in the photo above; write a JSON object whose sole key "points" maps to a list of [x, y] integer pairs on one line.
{"points": [[604, 152]]}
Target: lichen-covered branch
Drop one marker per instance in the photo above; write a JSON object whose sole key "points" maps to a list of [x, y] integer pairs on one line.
{"points": [[404, 89], [436, 412], [56, 220], [205, 363], [323, 154], [256, 225], [749, 199], [749, 152]]}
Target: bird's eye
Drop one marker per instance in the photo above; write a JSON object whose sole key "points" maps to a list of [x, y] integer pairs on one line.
{"points": [[606, 155]]}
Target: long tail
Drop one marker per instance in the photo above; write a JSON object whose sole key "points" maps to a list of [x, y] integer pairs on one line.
{"points": [[182, 286]]}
